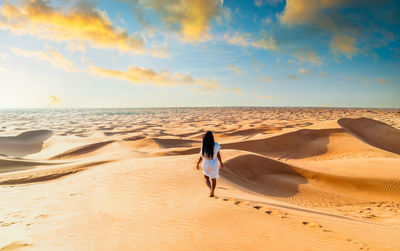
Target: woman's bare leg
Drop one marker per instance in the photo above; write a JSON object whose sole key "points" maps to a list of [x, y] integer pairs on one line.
{"points": [[207, 181], [214, 184]]}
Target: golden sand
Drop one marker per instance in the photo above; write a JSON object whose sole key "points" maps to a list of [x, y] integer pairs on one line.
{"points": [[294, 179]]}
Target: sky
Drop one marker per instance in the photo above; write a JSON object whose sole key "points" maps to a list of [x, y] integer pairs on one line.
{"points": [[179, 53]]}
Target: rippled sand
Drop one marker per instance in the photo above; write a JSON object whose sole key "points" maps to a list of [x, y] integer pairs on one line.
{"points": [[118, 179]]}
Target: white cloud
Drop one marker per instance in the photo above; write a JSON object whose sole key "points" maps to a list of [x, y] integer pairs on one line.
{"points": [[50, 55]]}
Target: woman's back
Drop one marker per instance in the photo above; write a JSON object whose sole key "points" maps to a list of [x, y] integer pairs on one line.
{"points": [[217, 147]]}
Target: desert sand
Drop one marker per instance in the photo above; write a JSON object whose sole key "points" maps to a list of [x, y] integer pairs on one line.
{"points": [[125, 179]]}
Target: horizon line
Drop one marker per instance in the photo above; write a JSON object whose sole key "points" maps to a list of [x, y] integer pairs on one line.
{"points": [[170, 107]]}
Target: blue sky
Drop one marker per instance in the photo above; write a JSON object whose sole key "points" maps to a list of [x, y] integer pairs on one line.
{"points": [[150, 53]]}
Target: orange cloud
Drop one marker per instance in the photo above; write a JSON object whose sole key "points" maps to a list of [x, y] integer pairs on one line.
{"points": [[53, 100], [311, 13], [51, 55], [193, 17], [382, 81], [300, 12], [79, 25], [243, 39], [235, 69], [147, 76], [304, 71], [344, 44], [307, 56]]}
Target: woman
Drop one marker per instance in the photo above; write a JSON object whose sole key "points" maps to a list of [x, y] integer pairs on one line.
{"points": [[209, 154]]}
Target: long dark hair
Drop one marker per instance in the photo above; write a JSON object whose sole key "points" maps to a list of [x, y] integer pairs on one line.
{"points": [[208, 145]]}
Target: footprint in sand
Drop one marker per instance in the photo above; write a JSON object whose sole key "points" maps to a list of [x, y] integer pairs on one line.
{"points": [[258, 207], [315, 225], [15, 246], [73, 194], [41, 216], [282, 214], [362, 246], [7, 224]]}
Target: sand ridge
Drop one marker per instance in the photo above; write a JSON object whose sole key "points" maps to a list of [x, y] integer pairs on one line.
{"points": [[373, 132]]}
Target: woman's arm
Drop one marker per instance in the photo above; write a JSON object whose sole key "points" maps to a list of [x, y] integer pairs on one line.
{"points": [[198, 163], [220, 160]]}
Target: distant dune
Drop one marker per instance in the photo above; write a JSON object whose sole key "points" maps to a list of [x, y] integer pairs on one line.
{"points": [[25, 143], [373, 132]]}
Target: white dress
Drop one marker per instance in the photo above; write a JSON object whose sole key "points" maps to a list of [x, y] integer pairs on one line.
{"points": [[211, 166]]}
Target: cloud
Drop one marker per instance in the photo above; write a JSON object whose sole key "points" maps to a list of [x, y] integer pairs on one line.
{"points": [[304, 12], [191, 18], [244, 39], [256, 64], [238, 39], [266, 79], [305, 55], [120, 18], [235, 90], [53, 100], [266, 43], [321, 74], [224, 17], [147, 76], [3, 55], [50, 55], [344, 44], [260, 3], [2, 69], [266, 21], [292, 76], [304, 71], [80, 25], [382, 81], [268, 97], [235, 69], [160, 50], [351, 26], [344, 78]]}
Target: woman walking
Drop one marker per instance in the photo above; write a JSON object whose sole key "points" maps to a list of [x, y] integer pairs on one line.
{"points": [[209, 154]]}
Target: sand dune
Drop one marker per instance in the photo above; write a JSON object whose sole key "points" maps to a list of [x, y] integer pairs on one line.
{"points": [[325, 179], [295, 145], [172, 143], [34, 176], [373, 132], [148, 143], [12, 165], [277, 179], [264, 175], [82, 150], [25, 143], [159, 143]]}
